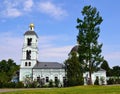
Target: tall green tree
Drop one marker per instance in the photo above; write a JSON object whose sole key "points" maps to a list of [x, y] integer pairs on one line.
{"points": [[89, 49], [73, 69]]}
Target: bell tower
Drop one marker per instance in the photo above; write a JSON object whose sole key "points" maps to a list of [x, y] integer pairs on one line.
{"points": [[29, 52]]}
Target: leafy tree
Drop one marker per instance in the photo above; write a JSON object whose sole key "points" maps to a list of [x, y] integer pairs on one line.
{"points": [[89, 49], [116, 71], [106, 67], [7, 70], [73, 69]]}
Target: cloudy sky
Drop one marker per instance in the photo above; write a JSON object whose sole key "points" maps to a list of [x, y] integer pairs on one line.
{"points": [[55, 24]]}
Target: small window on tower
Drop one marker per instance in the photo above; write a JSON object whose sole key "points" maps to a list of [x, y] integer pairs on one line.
{"points": [[29, 40], [25, 63], [29, 63], [28, 54]]}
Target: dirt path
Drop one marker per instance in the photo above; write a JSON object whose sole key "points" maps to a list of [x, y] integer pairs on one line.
{"points": [[9, 90], [19, 89]]}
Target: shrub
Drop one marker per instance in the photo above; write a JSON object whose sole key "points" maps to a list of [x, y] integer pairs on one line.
{"points": [[51, 83], [110, 81], [19, 85], [96, 81], [57, 82]]}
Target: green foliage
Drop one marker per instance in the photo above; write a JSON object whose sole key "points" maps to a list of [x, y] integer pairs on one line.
{"points": [[116, 71], [89, 49], [96, 81], [51, 83], [7, 70], [19, 85], [106, 67], [29, 83], [113, 80], [110, 81], [73, 69], [11, 85], [57, 82]]}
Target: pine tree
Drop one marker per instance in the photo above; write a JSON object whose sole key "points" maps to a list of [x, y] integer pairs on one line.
{"points": [[73, 69], [89, 49]]}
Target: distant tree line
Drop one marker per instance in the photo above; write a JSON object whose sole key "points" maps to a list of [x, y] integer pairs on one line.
{"points": [[113, 74]]}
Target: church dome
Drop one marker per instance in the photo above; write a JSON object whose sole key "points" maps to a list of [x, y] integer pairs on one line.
{"points": [[74, 49], [31, 31]]}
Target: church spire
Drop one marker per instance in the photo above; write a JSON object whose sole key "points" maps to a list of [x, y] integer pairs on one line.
{"points": [[31, 27]]}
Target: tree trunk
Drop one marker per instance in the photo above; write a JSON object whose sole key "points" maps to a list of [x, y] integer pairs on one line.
{"points": [[90, 79]]}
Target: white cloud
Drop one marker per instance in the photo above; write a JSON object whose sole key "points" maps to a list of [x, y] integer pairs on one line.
{"points": [[52, 9], [49, 52], [55, 54], [10, 9], [10, 47], [113, 56], [28, 4], [12, 12], [16, 8]]}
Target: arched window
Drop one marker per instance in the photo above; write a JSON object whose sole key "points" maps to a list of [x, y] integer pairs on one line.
{"points": [[28, 54], [25, 63], [47, 79], [29, 40], [29, 63], [56, 79]]}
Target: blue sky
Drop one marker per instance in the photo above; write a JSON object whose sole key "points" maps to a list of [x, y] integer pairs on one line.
{"points": [[55, 22]]}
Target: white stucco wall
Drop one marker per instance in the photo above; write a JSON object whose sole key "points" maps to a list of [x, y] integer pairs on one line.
{"points": [[51, 73], [99, 74], [25, 72]]}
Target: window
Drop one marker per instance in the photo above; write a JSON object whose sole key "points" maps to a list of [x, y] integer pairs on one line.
{"points": [[25, 63], [29, 63], [56, 79], [29, 40], [28, 54], [47, 79]]}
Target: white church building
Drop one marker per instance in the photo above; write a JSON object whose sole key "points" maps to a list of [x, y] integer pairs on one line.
{"points": [[30, 66]]}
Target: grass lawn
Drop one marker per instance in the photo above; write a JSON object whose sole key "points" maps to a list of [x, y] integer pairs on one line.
{"points": [[70, 90]]}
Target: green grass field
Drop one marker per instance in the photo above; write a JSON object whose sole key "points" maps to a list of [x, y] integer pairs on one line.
{"points": [[70, 90]]}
